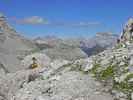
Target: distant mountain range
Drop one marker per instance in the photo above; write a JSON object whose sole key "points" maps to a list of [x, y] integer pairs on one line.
{"points": [[98, 43], [57, 48], [90, 46]]}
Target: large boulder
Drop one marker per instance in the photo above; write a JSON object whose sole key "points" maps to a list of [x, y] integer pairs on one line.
{"points": [[10, 83], [42, 60]]}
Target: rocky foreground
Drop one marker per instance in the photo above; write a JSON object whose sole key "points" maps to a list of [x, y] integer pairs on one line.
{"points": [[59, 82]]}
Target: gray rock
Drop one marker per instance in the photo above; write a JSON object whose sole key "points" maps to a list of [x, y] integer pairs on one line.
{"points": [[132, 96], [127, 34], [42, 60], [71, 86]]}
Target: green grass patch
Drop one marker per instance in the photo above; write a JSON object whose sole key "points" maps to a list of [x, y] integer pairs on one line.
{"points": [[94, 70], [35, 50], [129, 77], [124, 87], [76, 67], [118, 46], [107, 73]]}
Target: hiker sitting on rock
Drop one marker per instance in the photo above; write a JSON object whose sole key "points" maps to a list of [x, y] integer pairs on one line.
{"points": [[34, 64]]}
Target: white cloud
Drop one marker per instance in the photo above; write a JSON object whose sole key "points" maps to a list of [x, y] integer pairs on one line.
{"points": [[33, 20], [36, 20], [87, 24]]}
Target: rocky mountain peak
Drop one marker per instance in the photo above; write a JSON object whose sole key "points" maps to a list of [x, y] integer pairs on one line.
{"points": [[4, 26], [127, 34]]}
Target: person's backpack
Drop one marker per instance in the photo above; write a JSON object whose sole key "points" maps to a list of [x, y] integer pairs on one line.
{"points": [[33, 66]]}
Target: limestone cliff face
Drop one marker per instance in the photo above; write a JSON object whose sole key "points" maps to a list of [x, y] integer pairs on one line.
{"points": [[12, 46], [127, 34]]}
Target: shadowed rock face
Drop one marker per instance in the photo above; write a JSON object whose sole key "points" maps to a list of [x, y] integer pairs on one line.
{"points": [[98, 43]]}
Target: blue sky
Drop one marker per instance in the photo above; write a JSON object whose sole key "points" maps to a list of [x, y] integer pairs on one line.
{"points": [[67, 18]]}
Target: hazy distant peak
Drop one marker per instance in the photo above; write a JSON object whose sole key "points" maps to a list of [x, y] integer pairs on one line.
{"points": [[48, 37], [1, 15], [104, 34]]}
